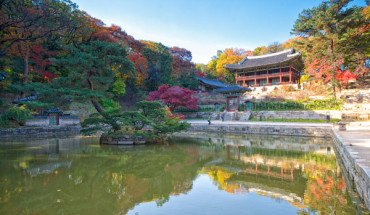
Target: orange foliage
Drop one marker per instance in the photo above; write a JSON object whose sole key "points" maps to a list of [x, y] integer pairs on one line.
{"points": [[141, 67], [229, 56]]}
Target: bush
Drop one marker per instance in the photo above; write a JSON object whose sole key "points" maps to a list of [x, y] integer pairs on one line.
{"points": [[17, 113], [287, 88]]}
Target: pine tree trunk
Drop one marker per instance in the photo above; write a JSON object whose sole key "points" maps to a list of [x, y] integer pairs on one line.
{"points": [[97, 106], [93, 101]]}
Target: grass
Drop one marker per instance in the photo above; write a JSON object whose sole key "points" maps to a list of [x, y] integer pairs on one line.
{"points": [[295, 120]]}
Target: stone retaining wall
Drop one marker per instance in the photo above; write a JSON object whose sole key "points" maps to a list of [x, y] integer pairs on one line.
{"points": [[317, 114], [121, 140], [264, 129], [39, 131], [358, 176], [44, 121]]}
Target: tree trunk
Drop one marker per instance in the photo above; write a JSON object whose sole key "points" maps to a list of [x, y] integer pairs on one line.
{"points": [[25, 71], [97, 106], [93, 101], [335, 96]]}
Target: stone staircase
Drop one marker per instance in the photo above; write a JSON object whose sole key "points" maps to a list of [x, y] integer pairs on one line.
{"points": [[230, 116], [245, 116]]}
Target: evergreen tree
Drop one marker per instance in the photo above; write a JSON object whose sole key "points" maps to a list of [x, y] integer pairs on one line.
{"points": [[332, 41]]}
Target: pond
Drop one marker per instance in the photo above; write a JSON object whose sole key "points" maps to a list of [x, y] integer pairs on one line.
{"points": [[194, 174]]}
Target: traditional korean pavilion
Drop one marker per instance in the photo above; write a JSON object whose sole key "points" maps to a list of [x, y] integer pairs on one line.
{"points": [[272, 69], [232, 94], [208, 85]]}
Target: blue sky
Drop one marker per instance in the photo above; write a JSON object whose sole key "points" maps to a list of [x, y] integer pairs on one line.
{"points": [[203, 26]]}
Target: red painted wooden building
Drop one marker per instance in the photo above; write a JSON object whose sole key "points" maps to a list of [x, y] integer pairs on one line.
{"points": [[272, 69]]}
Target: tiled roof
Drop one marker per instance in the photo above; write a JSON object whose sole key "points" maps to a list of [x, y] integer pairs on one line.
{"points": [[54, 110], [232, 88], [264, 60], [25, 99], [215, 83]]}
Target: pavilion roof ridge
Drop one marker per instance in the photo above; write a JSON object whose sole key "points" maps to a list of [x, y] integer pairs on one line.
{"points": [[268, 55]]}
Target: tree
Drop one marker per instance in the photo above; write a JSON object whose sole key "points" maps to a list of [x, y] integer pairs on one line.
{"points": [[159, 64], [181, 61], [272, 48], [333, 42], [24, 23], [95, 71], [41, 58], [227, 56], [148, 114], [141, 67], [174, 97], [27, 21]]}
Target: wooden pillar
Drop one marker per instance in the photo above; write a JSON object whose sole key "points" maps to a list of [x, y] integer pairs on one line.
{"points": [[281, 80], [236, 78], [243, 82], [255, 78], [267, 76], [290, 74]]}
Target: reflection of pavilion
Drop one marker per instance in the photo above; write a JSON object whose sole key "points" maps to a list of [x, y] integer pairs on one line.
{"points": [[281, 175]]}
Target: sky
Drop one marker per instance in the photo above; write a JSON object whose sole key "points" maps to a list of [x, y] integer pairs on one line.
{"points": [[203, 26]]}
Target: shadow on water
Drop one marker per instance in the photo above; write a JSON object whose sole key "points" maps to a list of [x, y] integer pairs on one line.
{"points": [[76, 175]]}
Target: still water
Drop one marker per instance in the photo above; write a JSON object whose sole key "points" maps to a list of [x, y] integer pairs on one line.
{"points": [[194, 174]]}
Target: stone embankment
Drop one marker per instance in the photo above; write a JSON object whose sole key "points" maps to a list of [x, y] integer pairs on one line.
{"points": [[290, 129], [353, 146], [40, 131], [121, 140], [347, 116]]}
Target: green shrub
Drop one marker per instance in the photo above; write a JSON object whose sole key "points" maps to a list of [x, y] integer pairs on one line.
{"points": [[110, 104], [17, 113]]}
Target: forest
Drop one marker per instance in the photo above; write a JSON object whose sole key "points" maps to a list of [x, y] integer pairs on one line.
{"points": [[60, 54]]}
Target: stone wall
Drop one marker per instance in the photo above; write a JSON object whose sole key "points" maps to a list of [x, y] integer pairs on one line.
{"points": [[358, 176], [315, 114], [308, 131], [196, 115], [43, 121], [39, 131], [121, 140]]}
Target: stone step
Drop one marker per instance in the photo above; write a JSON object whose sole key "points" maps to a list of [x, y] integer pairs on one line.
{"points": [[230, 116], [245, 116]]}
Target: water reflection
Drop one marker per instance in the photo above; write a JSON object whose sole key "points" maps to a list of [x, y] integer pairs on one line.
{"points": [[78, 176]]}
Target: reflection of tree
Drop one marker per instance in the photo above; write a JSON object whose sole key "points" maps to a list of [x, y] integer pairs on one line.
{"points": [[101, 179], [220, 177], [328, 195]]}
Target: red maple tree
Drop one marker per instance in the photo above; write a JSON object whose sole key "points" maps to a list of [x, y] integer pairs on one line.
{"points": [[331, 71], [200, 74], [174, 97], [41, 57]]}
